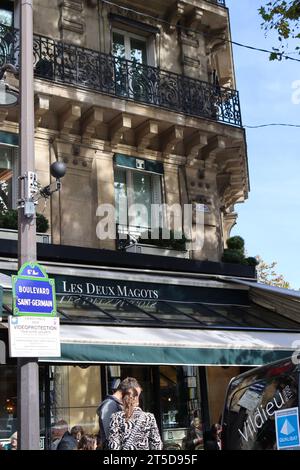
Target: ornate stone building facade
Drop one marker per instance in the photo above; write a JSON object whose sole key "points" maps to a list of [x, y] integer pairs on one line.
{"points": [[138, 97]]}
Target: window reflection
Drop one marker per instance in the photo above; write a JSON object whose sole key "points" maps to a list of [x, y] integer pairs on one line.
{"points": [[6, 178], [180, 403], [6, 17]]}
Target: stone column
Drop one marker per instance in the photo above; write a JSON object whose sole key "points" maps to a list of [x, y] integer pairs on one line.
{"points": [[229, 221], [103, 193], [172, 195], [212, 219]]}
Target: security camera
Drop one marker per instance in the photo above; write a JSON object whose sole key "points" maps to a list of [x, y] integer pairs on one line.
{"points": [[58, 170]]}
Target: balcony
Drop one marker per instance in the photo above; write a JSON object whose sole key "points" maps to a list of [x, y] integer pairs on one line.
{"points": [[129, 238], [85, 68], [218, 2]]}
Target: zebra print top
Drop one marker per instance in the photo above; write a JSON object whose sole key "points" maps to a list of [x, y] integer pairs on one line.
{"points": [[140, 432]]}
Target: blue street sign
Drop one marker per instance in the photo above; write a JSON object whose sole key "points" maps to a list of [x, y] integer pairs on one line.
{"points": [[33, 270], [33, 292], [287, 428]]}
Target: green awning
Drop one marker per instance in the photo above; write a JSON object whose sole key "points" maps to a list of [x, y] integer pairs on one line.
{"points": [[124, 345]]}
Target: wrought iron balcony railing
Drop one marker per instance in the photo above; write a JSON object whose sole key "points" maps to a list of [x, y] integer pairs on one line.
{"points": [[218, 2], [73, 65]]}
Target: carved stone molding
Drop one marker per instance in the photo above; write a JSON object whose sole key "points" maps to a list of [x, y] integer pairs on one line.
{"points": [[67, 118], [89, 122], [41, 107], [215, 40], [210, 151], [194, 19], [145, 133], [71, 19], [194, 144], [118, 126], [170, 138], [174, 14]]}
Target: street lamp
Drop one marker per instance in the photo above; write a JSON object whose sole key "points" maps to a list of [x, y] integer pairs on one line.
{"points": [[8, 96]]}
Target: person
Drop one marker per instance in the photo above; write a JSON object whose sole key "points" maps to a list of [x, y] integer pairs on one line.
{"points": [[58, 430], [212, 439], [111, 404], [132, 428], [194, 437], [13, 444], [87, 442], [70, 440]]}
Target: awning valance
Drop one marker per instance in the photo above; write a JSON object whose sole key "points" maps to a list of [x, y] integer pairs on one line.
{"points": [[157, 346]]}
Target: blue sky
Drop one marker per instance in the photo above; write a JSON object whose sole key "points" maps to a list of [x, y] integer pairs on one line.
{"points": [[269, 220]]}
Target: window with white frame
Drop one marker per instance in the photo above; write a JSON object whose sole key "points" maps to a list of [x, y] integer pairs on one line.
{"points": [[8, 179], [131, 77], [133, 47], [138, 197]]}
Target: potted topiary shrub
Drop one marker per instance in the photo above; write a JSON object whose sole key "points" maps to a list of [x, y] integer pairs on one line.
{"points": [[235, 252], [9, 226]]}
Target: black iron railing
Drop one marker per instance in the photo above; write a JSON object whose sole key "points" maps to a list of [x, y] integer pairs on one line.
{"points": [[73, 65]]}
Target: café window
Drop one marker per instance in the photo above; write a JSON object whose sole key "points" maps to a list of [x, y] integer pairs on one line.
{"points": [[6, 13], [8, 404], [138, 195], [75, 394], [180, 404], [8, 180]]}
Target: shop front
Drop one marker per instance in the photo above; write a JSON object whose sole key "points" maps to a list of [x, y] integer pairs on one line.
{"points": [[182, 336]]}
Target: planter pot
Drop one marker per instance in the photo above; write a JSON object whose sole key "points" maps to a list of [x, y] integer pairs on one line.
{"points": [[155, 250], [9, 234]]}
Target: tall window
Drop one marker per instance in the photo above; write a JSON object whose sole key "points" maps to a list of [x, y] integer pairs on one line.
{"points": [[132, 78], [6, 13], [135, 192], [130, 47], [7, 178]]}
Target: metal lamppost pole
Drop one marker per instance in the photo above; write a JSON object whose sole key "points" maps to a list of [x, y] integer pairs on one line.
{"points": [[28, 373]]}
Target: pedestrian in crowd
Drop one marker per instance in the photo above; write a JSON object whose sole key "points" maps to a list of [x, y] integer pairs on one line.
{"points": [[212, 439], [194, 437], [132, 428], [111, 404], [57, 432], [70, 440], [87, 442], [13, 444]]}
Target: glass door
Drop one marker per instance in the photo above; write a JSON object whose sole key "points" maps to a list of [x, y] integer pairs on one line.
{"points": [[180, 405], [140, 214], [130, 52]]}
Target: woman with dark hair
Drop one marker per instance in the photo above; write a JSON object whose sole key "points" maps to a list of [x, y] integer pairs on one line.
{"points": [[111, 404], [212, 438], [132, 428], [87, 442]]}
